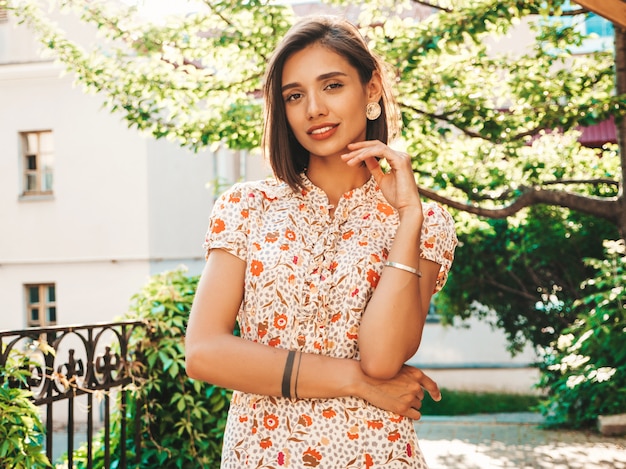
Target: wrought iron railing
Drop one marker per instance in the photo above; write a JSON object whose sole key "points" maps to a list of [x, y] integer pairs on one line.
{"points": [[68, 362]]}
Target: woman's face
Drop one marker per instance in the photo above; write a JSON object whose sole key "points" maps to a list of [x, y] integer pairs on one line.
{"points": [[325, 100]]}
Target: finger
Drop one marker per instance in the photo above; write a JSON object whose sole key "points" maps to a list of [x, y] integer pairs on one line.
{"points": [[430, 385], [374, 166], [433, 390]]}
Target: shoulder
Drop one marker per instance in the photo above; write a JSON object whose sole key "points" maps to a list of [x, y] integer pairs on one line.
{"points": [[250, 191], [436, 215]]}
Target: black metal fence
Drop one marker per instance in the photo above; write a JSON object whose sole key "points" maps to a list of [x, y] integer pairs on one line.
{"points": [[93, 361]]}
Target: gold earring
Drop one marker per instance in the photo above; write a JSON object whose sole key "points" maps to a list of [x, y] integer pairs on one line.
{"points": [[372, 111]]}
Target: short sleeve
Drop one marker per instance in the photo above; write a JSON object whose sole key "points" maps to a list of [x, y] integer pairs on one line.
{"points": [[228, 225], [438, 240]]}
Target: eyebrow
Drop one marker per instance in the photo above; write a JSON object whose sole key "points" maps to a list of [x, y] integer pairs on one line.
{"points": [[322, 77]]}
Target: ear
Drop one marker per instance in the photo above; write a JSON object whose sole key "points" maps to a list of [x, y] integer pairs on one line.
{"points": [[374, 87]]}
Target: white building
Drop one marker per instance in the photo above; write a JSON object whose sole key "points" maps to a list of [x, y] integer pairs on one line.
{"points": [[89, 209]]}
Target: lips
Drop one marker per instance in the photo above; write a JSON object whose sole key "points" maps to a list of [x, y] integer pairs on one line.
{"points": [[320, 132]]}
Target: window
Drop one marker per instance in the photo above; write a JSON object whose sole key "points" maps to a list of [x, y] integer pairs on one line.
{"points": [[41, 310], [37, 161]]}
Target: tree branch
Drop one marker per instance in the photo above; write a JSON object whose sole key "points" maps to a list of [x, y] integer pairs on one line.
{"points": [[432, 5], [601, 207], [610, 182]]}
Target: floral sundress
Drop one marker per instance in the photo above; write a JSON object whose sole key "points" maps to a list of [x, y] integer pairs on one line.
{"points": [[308, 279]]}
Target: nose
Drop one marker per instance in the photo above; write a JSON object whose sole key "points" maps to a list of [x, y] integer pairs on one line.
{"points": [[315, 106]]}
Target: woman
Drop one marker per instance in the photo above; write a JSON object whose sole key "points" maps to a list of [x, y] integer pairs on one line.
{"points": [[329, 270]]}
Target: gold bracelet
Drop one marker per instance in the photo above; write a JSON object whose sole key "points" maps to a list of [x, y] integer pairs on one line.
{"points": [[406, 268]]}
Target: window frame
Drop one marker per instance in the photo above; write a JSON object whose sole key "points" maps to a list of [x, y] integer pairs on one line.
{"points": [[40, 171], [43, 304]]}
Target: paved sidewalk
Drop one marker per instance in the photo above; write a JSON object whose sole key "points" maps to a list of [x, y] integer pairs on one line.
{"points": [[514, 441]]}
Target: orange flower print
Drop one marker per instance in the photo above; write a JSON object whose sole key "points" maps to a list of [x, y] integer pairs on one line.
{"points": [[290, 235], [353, 333], [430, 242], [270, 421], [305, 420], [374, 258], [363, 242], [271, 237], [256, 267], [369, 462], [353, 433], [397, 419], [261, 329], [385, 208], [243, 418], [336, 317], [348, 234], [280, 321], [265, 443], [234, 197], [291, 279], [218, 226], [372, 277], [274, 342], [301, 207], [311, 457], [394, 436], [267, 197], [329, 413], [301, 340], [333, 265], [375, 424], [284, 247], [317, 345], [245, 213]]}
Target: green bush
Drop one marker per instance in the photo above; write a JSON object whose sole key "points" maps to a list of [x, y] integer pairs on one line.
{"points": [[182, 420], [469, 402], [584, 371], [21, 430]]}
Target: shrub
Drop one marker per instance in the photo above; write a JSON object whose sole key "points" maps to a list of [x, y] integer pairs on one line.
{"points": [[21, 430], [182, 420], [584, 371]]}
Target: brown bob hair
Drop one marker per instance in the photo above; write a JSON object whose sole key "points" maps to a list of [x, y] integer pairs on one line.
{"points": [[287, 157]]}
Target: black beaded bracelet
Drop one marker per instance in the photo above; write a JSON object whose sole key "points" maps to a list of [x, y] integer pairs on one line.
{"points": [[286, 387]]}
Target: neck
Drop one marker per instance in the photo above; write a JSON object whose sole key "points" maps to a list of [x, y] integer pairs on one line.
{"points": [[336, 179]]}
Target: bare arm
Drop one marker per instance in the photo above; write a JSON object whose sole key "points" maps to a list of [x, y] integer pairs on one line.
{"points": [[392, 323], [214, 355]]}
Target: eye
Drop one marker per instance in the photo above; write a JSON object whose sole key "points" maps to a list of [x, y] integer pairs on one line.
{"points": [[334, 86], [292, 97]]}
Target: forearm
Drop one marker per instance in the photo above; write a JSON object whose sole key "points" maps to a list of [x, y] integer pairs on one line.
{"points": [[393, 320], [235, 363]]}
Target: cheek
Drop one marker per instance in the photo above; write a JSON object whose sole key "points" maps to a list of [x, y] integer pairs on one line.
{"points": [[292, 119]]}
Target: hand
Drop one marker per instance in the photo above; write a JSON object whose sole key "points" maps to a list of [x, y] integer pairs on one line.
{"points": [[402, 394], [398, 185]]}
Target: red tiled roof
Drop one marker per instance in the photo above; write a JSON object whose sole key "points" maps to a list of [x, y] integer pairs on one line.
{"points": [[598, 134]]}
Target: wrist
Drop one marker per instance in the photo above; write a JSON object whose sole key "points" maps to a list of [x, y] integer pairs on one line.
{"points": [[411, 213], [355, 382]]}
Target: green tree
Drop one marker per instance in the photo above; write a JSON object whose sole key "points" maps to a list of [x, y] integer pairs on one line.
{"points": [[492, 134], [585, 368]]}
